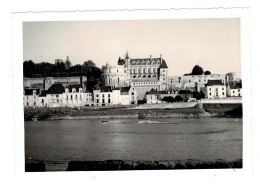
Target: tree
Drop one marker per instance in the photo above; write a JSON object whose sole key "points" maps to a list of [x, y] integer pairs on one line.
{"points": [[207, 73], [67, 63], [28, 68], [178, 98], [197, 70], [76, 68], [88, 64]]}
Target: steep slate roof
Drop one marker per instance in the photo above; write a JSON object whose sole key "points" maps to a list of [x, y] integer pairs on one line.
{"points": [[214, 82], [29, 92], [163, 65], [43, 93], [235, 85], [76, 86], [103, 88], [124, 89], [56, 89]]}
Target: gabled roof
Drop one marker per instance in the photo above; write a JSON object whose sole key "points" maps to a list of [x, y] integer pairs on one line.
{"points": [[75, 86], [56, 89], [43, 93], [29, 91], [163, 64], [214, 82], [152, 91]]}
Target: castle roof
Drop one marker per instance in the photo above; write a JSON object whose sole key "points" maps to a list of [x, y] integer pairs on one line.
{"points": [[126, 55], [56, 89], [214, 82], [163, 64]]}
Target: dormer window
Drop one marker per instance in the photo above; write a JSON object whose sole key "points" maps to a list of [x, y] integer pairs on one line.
{"points": [[66, 90], [73, 90], [80, 90]]}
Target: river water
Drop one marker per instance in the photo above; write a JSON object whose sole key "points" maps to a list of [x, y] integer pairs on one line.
{"points": [[60, 141]]}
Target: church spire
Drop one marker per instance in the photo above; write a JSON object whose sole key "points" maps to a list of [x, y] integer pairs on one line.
{"points": [[126, 55]]}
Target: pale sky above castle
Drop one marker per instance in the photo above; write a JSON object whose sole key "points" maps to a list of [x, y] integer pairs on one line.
{"points": [[213, 43]]}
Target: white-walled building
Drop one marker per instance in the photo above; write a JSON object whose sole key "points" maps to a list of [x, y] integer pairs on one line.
{"points": [[55, 95], [234, 89], [214, 89], [42, 99], [73, 96], [30, 97]]}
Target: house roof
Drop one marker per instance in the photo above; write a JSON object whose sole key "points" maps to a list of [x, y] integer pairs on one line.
{"points": [[56, 89], [75, 86], [43, 93], [124, 89], [29, 91], [152, 91], [214, 82], [163, 64], [184, 92], [235, 85]]}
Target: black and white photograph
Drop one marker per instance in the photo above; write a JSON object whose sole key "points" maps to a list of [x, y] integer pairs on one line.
{"points": [[147, 94]]}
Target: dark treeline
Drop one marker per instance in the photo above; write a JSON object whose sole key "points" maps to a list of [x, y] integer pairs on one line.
{"points": [[197, 70], [60, 69]]}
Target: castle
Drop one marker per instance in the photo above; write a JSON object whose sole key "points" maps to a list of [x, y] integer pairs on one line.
{"points": [[144, 74]]}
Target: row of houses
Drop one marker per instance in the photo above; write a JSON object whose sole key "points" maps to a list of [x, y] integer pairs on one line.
{"points": [[59, 95], [74, 96], [214, 89]]}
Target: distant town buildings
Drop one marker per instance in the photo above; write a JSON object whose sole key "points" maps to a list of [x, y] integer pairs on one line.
{"points": [[131, 81]]}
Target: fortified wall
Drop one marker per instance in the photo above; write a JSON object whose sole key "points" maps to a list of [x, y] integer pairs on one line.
{"points": [[193, 81], [45, 83]]}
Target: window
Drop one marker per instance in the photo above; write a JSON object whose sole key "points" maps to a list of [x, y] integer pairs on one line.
{"points": [[163, 70], [97, 95], [67, 97], [34, 103], [57, 96], [76, 96], [57, 100], [133, 93], [80, 90], [73, 91], [97, 100], [223, 93], [209, 89], [108, 95], [238, 90], [103, 96], [27, 103], [103, 100], [108, 100], [42, 100], [223, 88], [210, 94], [71, 97], [216, 89]]}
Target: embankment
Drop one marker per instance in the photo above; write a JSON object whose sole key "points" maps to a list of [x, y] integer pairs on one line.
{"points": [[109, 165], [212, 109]]}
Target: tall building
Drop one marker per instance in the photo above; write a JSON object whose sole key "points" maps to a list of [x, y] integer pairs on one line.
{"points": [[142, 73]]}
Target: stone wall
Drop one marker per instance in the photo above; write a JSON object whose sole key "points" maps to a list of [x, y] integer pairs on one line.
{"points": [[45, 83]]}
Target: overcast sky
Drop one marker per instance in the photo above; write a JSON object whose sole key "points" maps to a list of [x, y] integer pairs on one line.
{"points": [[213, 43]]}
